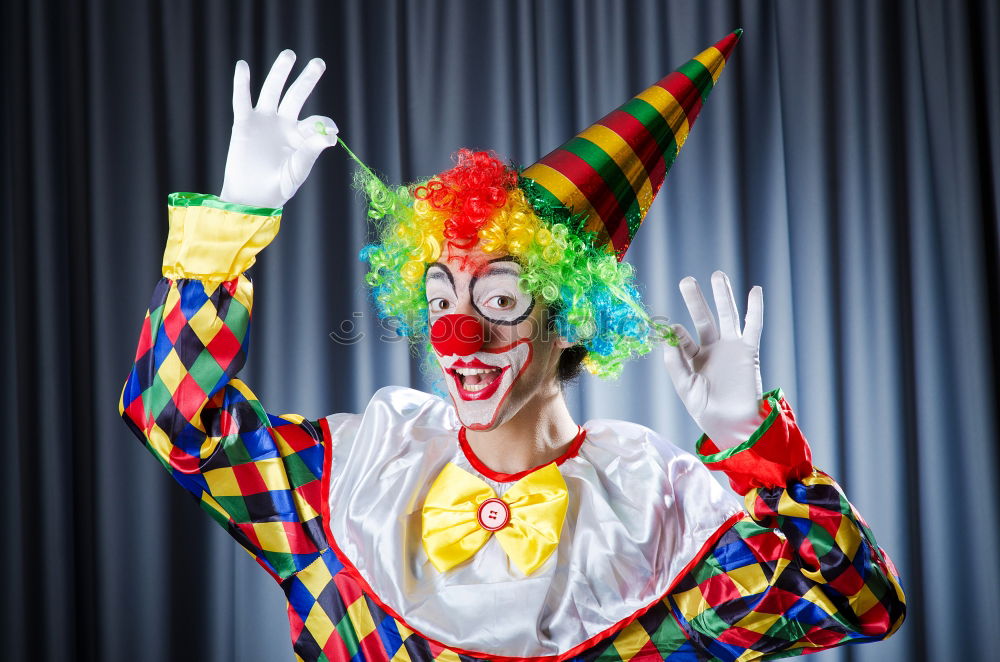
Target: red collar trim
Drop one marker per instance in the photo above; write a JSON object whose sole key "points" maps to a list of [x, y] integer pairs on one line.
{"points": [[477, 464]]}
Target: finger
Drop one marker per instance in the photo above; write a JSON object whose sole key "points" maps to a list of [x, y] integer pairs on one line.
{"points": [[241, 90], [318, 124], [301, 163], [689, 348], [725, 303], [678, 368], [275, 81], [295, 98], [698, 309], [755, 317]]}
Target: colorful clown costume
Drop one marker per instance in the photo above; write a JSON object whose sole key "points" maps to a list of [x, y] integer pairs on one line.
{"points": [[653, 560]]}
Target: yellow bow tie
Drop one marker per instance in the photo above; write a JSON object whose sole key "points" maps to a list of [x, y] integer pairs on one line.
{"points": [[461, 512]]}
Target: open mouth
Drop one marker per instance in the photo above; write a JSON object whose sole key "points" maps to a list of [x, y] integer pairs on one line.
{"points": [[477, 383]]}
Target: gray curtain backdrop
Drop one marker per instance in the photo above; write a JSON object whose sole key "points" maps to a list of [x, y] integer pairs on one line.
{"points": [[848, 162]]}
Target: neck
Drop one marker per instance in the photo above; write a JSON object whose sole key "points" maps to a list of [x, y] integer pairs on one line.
{"points": [[537, 434]]}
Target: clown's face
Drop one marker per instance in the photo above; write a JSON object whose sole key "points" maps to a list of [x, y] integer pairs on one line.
{"points": [[473, 295]]}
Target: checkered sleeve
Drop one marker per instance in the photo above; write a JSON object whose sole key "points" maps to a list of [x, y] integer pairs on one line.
{"points": [[804, 573], [257, 474]]}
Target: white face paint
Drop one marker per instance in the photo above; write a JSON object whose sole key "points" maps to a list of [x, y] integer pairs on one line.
{"points": [[490, 385], [480, 383]]}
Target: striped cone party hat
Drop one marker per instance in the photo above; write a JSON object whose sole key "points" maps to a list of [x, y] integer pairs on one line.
{"points": [[608, 175]]}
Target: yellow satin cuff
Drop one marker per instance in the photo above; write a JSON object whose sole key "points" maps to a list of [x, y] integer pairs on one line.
{"points": [[214, 244], [452, 532]]}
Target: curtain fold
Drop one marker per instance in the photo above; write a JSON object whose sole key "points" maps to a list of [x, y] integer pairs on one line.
{"points": [[849, 162]]}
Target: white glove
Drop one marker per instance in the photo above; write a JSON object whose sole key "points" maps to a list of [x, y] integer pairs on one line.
{"points": [[719, 380], [271, 152]]}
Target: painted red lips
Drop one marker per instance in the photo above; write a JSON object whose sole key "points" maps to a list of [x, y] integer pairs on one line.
{"points": [[475, 380]]}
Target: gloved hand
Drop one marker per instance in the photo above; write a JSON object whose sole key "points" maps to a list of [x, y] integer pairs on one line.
{"points": [[719, 379], [271, 151]]}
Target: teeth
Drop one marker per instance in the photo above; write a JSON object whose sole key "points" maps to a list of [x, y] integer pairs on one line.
{"points": [[467, 372]]}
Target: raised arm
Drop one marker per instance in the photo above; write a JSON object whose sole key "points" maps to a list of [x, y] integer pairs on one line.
{"points": [[806, 573], [257, 474]]}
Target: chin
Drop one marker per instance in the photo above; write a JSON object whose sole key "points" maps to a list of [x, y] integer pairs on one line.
{"points": [[484, 385]]}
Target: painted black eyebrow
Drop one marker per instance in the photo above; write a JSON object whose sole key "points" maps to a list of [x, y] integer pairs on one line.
{"points": [[443, 267], [489, 271], [489, 267]]}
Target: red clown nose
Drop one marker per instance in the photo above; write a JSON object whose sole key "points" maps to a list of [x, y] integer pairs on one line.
{"points": [[459, 335]]}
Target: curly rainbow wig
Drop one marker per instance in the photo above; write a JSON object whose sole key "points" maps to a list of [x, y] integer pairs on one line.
{"points": [[483, 203]]}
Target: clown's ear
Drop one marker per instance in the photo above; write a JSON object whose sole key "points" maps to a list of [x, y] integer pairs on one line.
{"points": [[562, 343]]}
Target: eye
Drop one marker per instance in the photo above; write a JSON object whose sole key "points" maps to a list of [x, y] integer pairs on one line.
{"points": [[501, 301], [439, 305]]}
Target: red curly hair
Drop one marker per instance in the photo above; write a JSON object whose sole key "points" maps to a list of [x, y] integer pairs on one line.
{"points": [[471, 193]]}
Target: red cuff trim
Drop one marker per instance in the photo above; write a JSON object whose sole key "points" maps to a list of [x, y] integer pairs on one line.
{"points": [[776, 453], [711, 452]]}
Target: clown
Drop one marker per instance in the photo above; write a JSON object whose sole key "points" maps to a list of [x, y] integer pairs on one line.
{"points": [[488, 524]]}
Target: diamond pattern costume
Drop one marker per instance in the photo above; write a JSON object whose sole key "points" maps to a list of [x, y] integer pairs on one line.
{"points": [[798, 571]]}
